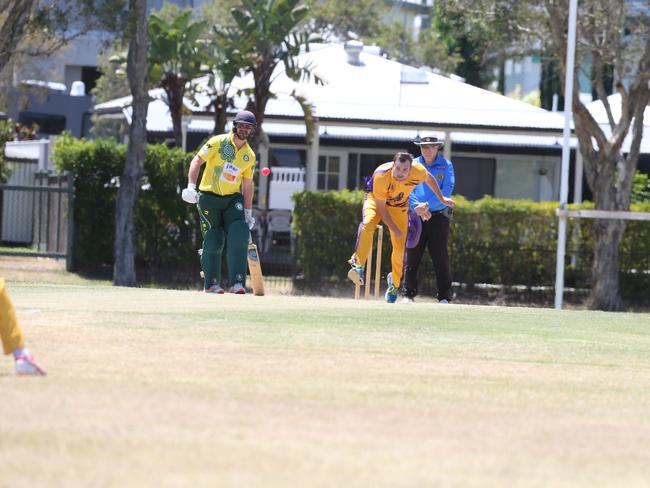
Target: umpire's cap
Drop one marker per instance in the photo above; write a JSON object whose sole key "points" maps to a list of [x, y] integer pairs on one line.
{"points": [[429, 140], [245, 117]]}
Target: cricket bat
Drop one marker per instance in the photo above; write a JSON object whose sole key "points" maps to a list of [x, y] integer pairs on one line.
{"points": [[255, 269]]}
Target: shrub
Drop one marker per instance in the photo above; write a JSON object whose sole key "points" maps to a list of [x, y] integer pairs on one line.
{"points": [[505, 242], [164, 224]]}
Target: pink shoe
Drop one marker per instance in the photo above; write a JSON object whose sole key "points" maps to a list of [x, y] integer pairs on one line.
{"points": [[26, 366]]}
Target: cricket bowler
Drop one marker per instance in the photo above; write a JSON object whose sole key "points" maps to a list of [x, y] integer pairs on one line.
{"points": [[387, 200], [225, 201]]}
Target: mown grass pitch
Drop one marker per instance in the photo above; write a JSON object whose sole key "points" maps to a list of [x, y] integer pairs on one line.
{"points": [[154, 387]]}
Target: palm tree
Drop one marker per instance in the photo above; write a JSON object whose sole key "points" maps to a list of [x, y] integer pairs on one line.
{"points": [[269, 31], [225, 60], [176, 57]]}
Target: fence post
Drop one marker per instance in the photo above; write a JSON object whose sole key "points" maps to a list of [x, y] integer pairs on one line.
{"points": [[69, 258]]}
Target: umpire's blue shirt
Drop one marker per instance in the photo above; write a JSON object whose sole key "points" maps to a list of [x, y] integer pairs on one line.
{"points": [[443, 172]]}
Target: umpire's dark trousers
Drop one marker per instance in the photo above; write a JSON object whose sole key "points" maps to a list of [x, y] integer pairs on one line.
{"points": [[434, 236]]}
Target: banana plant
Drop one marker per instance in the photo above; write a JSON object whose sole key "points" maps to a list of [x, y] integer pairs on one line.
{"points": [[269, 31], [176, 57], [226, 59]]}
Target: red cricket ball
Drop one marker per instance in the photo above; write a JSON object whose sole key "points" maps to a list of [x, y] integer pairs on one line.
{"points": [[266, 171]]}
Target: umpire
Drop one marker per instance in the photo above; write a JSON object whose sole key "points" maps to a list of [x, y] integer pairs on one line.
{"points": [[435, 218]]}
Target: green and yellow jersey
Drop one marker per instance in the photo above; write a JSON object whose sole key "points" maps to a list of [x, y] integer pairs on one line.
{"points": [[225, 165]]}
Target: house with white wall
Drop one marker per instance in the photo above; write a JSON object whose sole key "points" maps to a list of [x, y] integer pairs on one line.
{"points": [[371, 107]]}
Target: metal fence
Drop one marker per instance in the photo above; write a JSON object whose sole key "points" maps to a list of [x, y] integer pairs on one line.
{"points": [[38, 212]]}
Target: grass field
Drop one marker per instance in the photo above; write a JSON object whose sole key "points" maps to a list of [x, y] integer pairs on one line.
{"points": [[154, 387]]}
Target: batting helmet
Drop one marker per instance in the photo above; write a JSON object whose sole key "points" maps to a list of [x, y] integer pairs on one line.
{"points": [[245, 117]]}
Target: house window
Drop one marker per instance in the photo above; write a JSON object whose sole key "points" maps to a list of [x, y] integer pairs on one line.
{"points": [[328, 172], [362, 166], [474, 176], [353, 171], [90, 75], [287, 157]]}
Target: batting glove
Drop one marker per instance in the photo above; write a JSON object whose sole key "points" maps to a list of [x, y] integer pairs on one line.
{"points": [[250, 220], [190, 195]]}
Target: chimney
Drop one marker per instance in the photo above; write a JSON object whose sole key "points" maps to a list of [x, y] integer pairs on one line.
{"points": [[353, 49]]}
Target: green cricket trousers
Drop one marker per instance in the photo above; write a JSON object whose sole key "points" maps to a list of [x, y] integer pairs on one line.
{"points": [[223, 222]]}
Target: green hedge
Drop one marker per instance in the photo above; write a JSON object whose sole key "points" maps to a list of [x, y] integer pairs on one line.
{"points": [[507, 242], [504, 242], [165, 225], [6, 135], [325, 225]]}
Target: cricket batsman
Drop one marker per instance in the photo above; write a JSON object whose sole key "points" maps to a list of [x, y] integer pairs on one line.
{"points": [[225, 201], [387, 200]]}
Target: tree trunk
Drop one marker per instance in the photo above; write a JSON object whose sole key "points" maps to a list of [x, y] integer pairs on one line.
{"points": [[175, 89], [220, 104], [262, 77], [605, 294], [124, 267], [608, 170]]}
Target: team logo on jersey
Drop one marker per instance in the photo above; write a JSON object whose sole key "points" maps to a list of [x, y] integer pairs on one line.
{"points": [[205, 212], [227, 150], [206, 149], [440, 177], [230, 173], [396, 200], [246, 158], [239, 206]]}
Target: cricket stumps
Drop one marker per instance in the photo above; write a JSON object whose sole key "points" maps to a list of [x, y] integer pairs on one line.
{"points": [[368, 272]]}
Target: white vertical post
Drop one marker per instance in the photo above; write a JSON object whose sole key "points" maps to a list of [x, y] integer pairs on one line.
{"points": [[311, 173], [446, 151], [262, 191], [579, 170], [564, 181], [43, 146], [185, 122]]}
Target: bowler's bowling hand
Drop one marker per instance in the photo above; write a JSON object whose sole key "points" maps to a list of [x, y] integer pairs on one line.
{"points": [[421, 209], [189, 194], [250, 220]]}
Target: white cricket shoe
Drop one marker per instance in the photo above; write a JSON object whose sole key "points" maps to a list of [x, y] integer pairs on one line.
{"points": [[215, 289], [26, 366], [444, 301], [407, 300], [238, 289]]}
